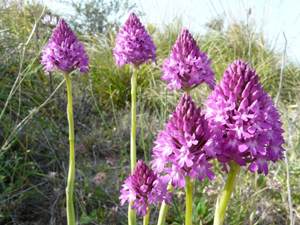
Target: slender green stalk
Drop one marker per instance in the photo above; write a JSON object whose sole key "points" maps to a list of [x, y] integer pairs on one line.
{"points": [[189, 193], [133, 120], [131, 213], [189, 200], [188, 91], [164, 208], [71, 175], [146, 218], [142, 127], [222, 205]]}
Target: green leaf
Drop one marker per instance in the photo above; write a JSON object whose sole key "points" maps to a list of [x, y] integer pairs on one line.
{"points": [[88, 219], [201, 208], [12, 25]]}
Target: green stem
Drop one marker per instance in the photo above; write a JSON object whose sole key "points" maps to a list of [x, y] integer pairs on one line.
{"points": [[142, 128], [131, 213], [133, 120], [188, 91], [189, 193], [189, 200], [222, 205], [164, 208], [71, 175], [146, 218]]}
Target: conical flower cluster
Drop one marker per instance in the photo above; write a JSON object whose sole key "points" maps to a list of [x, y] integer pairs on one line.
{"points": [[144, 187], [187, 67], [64, 51], [248, 119], [133, 44], [187, 143]]}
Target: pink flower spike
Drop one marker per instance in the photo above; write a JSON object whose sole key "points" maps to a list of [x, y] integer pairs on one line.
{"points": [[64, 51], [187, 67], [144, 187], [133, 44], [188, 143], [247, 118]]}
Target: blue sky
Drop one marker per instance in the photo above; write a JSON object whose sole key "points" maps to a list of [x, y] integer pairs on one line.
{"points": [[272, 17]]}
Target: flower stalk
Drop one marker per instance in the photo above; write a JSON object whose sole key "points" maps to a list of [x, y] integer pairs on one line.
{"points": [[146, 218], [188, 91], [133, 120], [164, 208], [71, 175], [189, 200], [222, 205], [132, 213]]}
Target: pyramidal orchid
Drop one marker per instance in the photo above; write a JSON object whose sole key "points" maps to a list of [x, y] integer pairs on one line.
{"points": [[65, 53], [144, 187], [135, 46], [187, 67], [240, 108], [187, 143], [189, 146], [250, 124]]}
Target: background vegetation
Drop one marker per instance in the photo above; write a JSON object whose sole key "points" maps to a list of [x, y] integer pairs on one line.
{"points": [[34, 129]]}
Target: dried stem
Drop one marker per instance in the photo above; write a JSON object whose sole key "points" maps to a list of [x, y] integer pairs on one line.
{"points": [[281, 73], [284, 153], [288, 186], [13, 89], [248, 12], [25, 120]]}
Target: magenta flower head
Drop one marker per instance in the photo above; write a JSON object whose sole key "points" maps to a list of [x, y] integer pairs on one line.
{"points": [[248, 119], [187, 142], [187, 67], [133, 44], [64, 51], [144, 187]]}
